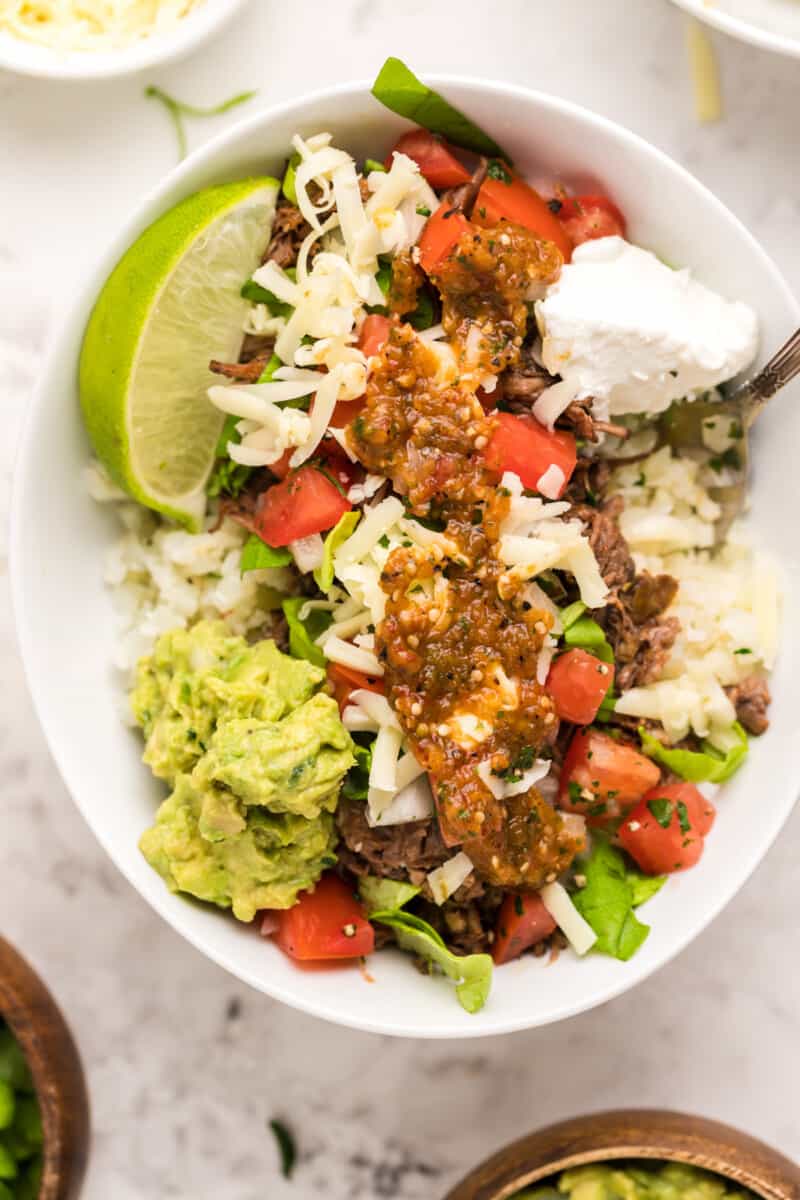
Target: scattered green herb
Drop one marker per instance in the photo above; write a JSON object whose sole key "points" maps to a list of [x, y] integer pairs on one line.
{"points": [[287, 1147], [662, 809], [178, 109]]}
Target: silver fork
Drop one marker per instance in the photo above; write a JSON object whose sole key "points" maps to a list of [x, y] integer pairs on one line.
{"points": [[684, 428]]}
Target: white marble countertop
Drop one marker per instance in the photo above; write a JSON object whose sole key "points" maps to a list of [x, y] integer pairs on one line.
{"points": [[185, 1065]]}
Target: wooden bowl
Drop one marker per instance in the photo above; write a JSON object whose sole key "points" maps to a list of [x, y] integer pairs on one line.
{"points": [[645, 1133], [37, 1023]]}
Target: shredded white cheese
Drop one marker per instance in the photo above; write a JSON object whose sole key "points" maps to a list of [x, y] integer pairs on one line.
{"points": [[448, 878], [575, 928]]}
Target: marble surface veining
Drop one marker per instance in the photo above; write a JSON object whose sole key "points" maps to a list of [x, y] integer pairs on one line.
{"points": [[185, 1065]]}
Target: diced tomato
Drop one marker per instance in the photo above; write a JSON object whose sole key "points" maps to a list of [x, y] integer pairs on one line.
{"points": [[587, 217], [281, 468], [664, 832], [440, 236], [488, 400], [523, 921], [305, 502], [602, 778], [434, 158], [347, 410], [522, 445], [518, 202], [326, 923], [578, 683], [374, 333], [346, 680]]}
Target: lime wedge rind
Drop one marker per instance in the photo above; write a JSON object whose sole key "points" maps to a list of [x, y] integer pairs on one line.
{"points": [[170, 305]]}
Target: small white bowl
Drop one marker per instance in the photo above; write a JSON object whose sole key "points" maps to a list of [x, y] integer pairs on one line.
{"points": [[67, 627], [27, 58], [769, 24]]}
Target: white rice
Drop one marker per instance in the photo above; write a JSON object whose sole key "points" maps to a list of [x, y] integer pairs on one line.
{"points": [[162, 577], [726, 604]]}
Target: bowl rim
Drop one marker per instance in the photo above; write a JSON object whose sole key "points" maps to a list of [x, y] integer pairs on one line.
{"points": [[741, 29], [43, 62], [34, 1017], [667, 1135], [83, 298]]}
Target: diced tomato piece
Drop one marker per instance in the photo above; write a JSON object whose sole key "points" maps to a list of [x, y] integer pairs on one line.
{"points": [[281, 468], [664, 832], [440, 236], [374, 333], [434, 158], [588, 217], [518, 202], [488, 400], [522, 445], [602, 778], [326, 923], [347, 410], [522, 922], [305, 502], [346, 680], [578, 683]]}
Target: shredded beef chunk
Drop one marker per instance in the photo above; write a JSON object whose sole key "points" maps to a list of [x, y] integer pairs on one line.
{"points": [[288, 231], [606, 539], [642, 650], [589, 482], [751, 699], [242, 372], [405, 852], [466, 924], [524, 382]]}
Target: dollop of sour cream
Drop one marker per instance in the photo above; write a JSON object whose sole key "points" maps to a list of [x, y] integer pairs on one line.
{"points": [[625, 329]]}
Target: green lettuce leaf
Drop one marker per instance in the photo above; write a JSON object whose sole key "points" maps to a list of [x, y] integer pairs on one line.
{"points": [[424, 315], [385, 895], [303, 633], [472, 974], [257, 554], [288, 186], [257, 294], [399, 89], [644, 887], [608, 900], [341, 531], [583, 632], [708, 765], [227, 478], [356, 781]]}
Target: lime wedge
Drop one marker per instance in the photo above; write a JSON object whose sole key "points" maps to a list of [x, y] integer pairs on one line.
{"points": [[170, 305]]}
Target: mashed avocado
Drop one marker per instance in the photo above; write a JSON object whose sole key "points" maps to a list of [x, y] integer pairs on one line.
{"points": [[638, 1181], [255, 756]]}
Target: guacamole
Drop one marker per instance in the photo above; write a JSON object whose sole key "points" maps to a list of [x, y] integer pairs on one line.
{"points": [[638, 1181], [255, 755]]}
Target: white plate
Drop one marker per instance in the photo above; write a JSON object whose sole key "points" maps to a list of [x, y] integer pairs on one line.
{"points": [[66, 625], [27, 58], [770, 24]]}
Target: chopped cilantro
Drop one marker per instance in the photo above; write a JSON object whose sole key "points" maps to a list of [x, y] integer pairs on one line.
{"points": [[662, 809]]}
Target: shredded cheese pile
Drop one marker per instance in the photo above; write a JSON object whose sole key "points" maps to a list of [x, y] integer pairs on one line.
{"points": [[317, 342], [91, 25]]}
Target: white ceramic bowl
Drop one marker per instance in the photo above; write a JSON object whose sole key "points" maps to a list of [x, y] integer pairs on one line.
{"points": [[770, 24], [66, 625], [198, 26]]}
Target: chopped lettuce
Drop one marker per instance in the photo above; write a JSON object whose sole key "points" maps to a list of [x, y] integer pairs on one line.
{"points": [[257, 554], [583, 632], [257, 294], [608, 899], [385, 895], [227, 477], [303, 633], [341, 531], [472, 974], [356, 784], [399, 89], [708, 765], [644, 887], [288, 186], [424, 315]]}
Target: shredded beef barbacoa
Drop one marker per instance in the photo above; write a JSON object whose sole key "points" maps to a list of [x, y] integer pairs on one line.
{"points": [[406, 852], [751, 699], [289, 230]]}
